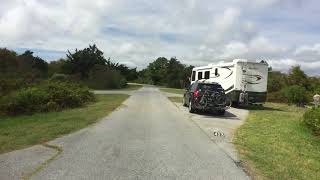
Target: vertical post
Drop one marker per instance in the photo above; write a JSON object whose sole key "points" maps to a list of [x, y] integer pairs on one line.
{"points": [[316, 100]]}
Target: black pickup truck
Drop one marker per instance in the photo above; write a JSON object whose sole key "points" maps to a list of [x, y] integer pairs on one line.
{"points": [[202, 96]]}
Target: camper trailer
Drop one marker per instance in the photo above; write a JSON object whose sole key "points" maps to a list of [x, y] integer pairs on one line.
{"points": [[244, 82]]}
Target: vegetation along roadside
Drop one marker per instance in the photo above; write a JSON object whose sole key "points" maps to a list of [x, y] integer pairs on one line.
{"points": [[275, 143], [26, 130]]}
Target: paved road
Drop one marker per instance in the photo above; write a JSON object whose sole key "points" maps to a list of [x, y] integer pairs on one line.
{"points": [[147, 138]]}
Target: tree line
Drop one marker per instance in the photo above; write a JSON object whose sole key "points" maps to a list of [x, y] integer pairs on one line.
{"points": [[90, 67], [294, 87], [87, 66]]}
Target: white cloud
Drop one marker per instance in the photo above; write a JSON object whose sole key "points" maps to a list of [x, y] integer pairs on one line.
{"points": [[234, 49], [285, 64], [138, 31], [309, 52]]}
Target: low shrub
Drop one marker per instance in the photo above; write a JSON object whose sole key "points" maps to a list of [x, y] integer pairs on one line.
{"points": [[10, 84], [312, 119], [295, 95], [101, 77], [276, 97], [47, 96]]}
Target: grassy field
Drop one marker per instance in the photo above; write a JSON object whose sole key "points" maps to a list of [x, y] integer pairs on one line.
{"points": [[173, 90], [175, 99], [23, 131], [275, 144]]}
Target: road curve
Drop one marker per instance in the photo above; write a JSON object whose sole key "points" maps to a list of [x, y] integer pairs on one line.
{"points": [[147, 138]]}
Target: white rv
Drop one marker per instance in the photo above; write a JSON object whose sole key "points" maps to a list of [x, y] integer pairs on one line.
{"points": [[243, 81]]}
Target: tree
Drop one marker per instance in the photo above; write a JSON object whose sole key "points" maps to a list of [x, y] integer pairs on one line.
{"points": [[276, 81], [8, 62], [174, 73], [82, 61], [171, 73], [103, 77], [56, 67], [157, 71], [186, 75], [314, 84], [32, 66], [129, 74], [297, 77], [295, 94]]}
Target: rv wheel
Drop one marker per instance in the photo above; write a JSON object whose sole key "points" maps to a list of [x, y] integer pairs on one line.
{"points": [[191, 108]]}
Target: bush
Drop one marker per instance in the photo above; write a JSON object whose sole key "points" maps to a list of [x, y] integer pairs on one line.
{"points": [[276, 97], [312, 119], [47, 96], [102, 77], [295, 95], [8, 85]]}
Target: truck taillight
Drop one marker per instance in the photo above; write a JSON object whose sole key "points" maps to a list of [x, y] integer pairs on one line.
{"points": [[196, 93]]}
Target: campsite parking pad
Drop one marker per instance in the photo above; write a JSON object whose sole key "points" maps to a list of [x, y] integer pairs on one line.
{"points": [[220, 129]]}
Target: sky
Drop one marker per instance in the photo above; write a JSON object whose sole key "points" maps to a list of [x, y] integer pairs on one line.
{"points": [[136, 32]]}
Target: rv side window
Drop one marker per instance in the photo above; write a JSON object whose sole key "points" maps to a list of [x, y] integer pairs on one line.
{"points": [[193, 76], [207, 74], [216, 72], [199, 75]]}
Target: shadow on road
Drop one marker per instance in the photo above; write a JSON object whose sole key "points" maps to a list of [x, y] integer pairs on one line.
{"points": [[228, 115]]}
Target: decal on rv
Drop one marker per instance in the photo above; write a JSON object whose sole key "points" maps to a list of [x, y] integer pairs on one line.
{"points": [[231, 72], [253, 79]]}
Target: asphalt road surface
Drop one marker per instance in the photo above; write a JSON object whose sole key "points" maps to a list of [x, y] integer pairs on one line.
{"points": [[147, 138]]}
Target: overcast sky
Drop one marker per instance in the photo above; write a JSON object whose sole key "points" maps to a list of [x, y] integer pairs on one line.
{"points": [[135, 32]]}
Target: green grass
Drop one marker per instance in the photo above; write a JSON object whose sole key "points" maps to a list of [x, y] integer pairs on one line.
{"points": [[275, 144], [173, 90], [23, 131], [175, 99]]}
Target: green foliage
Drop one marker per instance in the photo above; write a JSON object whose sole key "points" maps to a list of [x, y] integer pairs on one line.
{"points": [[295, 95], [297, 77], [175, 73], [312, 119], [171, 73], [314, 85], [125, 71], [81, 61], [56, 67], [157, 70], [276, 96], [8, 85], [47, 96], [279, 86], [102, 77], [25, 66], [276, 81], [90, 66]]}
